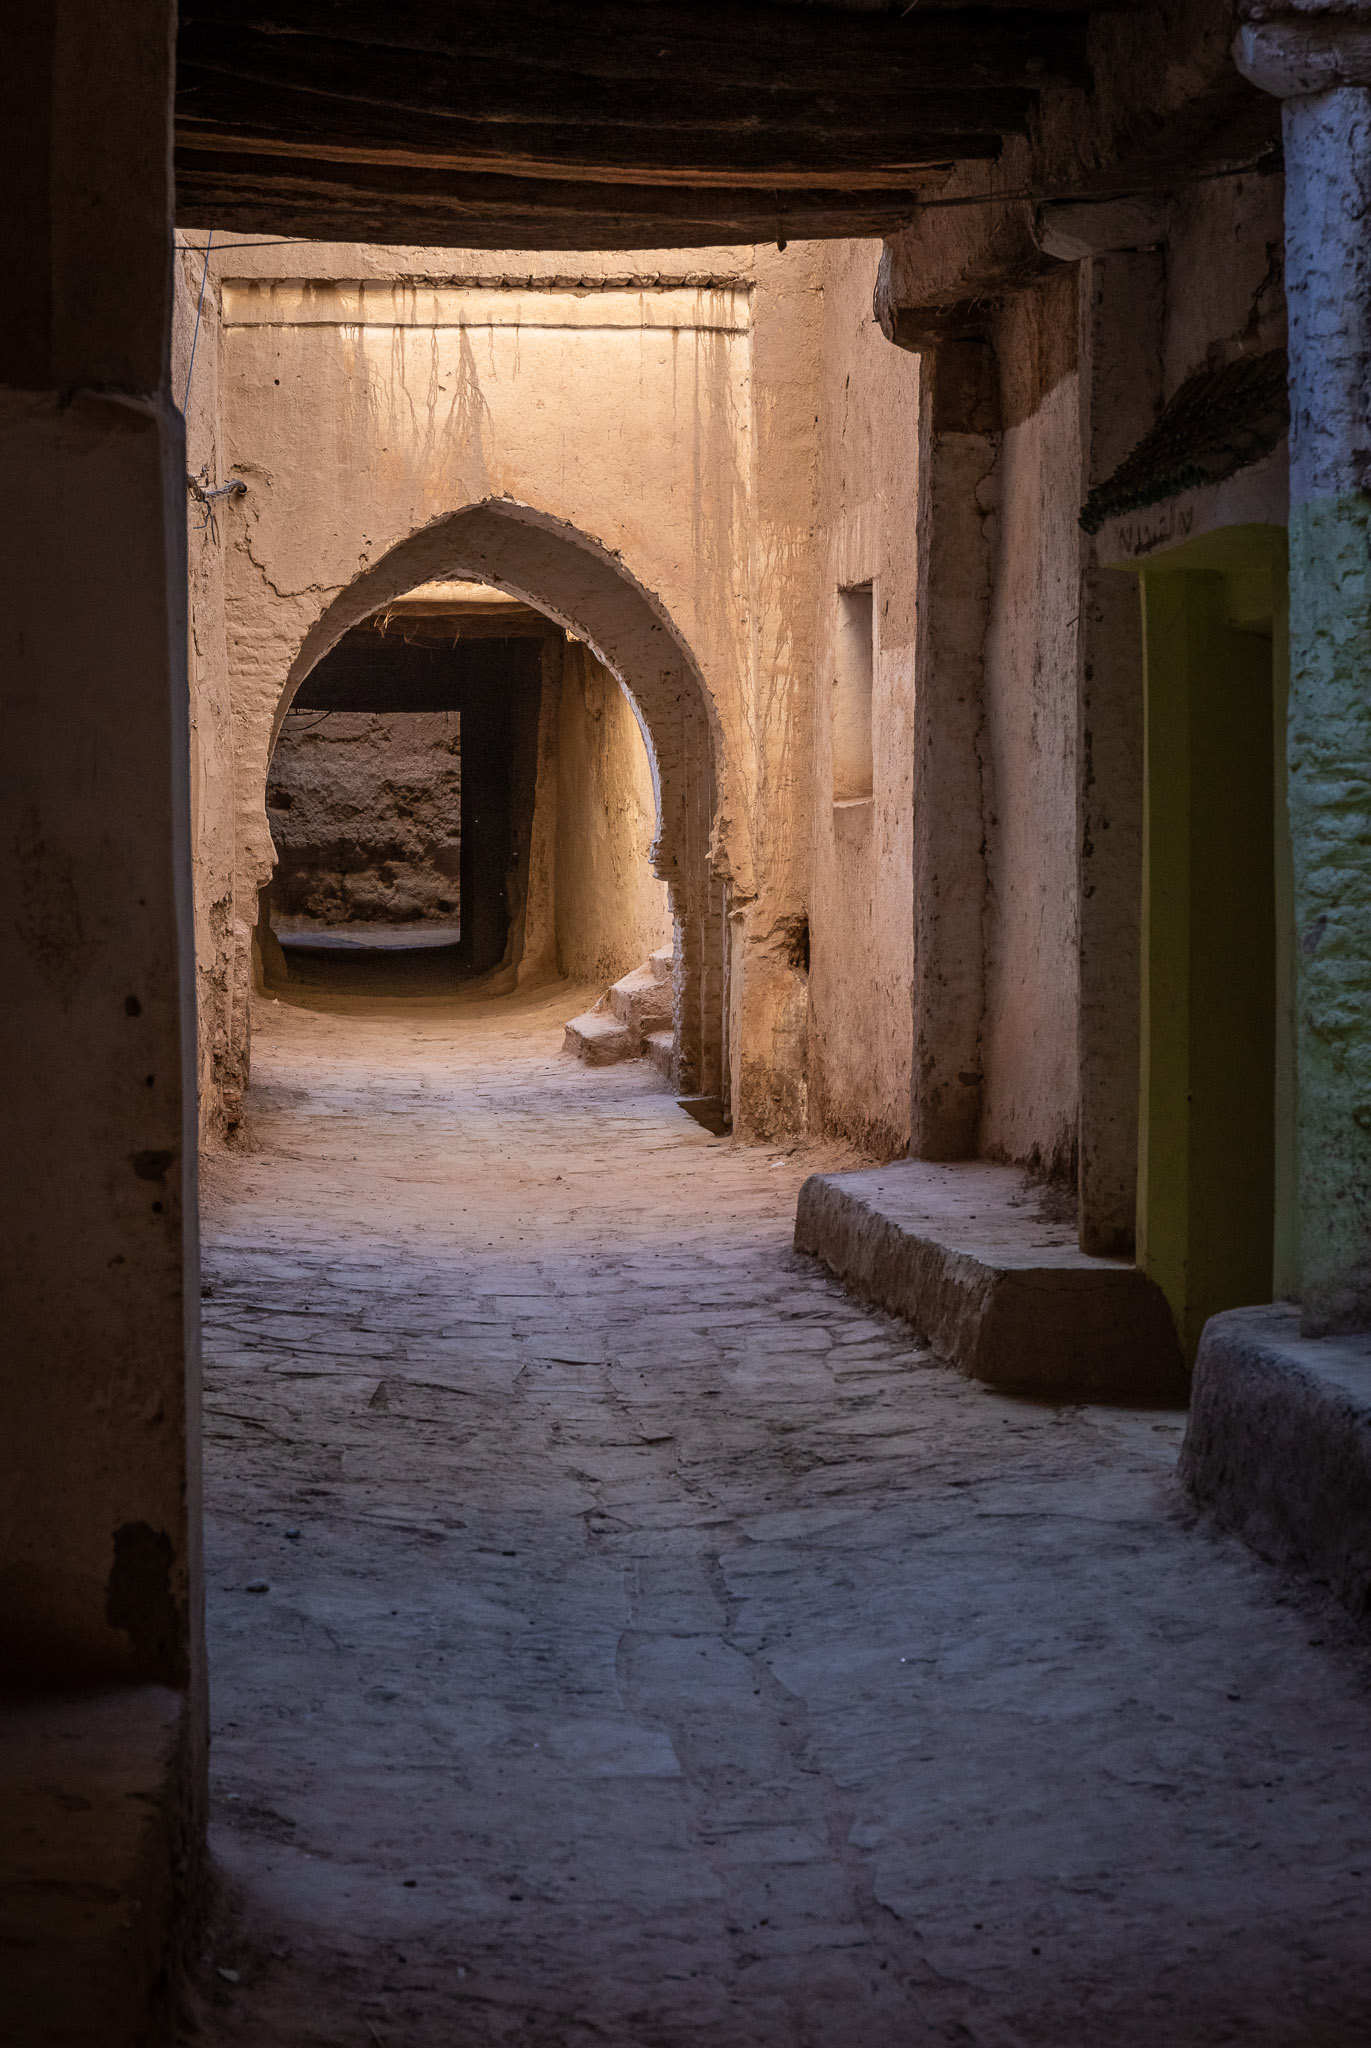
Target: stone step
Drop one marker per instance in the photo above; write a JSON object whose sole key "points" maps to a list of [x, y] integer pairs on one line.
{"points": [[599, 1039], [641, 1002], [965, 1254], [660, 1047], [708, 1112], [661, 963], [1278, 1445]]}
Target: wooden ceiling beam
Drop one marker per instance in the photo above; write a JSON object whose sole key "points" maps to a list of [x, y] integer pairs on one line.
{"points": [[594, 123], [774, 175], [754, 50], [396, 204], [395, 109], [657, 157]]}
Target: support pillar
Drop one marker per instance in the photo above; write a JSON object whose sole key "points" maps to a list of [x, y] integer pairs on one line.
{"points": [[98, 1575], [1319, 63], [958, 485], [99, 1301], [1121, 299]]}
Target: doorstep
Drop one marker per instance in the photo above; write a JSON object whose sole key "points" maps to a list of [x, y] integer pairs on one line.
{"points": [[1278, 1447], [963, 1253]]}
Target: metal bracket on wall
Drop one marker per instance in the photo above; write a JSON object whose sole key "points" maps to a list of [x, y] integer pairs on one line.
{"points": [[204, 495]]}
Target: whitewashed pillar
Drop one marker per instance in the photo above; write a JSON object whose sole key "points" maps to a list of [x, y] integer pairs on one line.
{"points": [[1319, 64]]}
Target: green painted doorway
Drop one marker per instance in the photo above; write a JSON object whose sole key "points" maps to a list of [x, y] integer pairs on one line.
{"points": [[1216, 1158]]}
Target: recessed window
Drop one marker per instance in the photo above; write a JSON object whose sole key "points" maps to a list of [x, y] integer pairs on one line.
{"points": [[854, 663]]}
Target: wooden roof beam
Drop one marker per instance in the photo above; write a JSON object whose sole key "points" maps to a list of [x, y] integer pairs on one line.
{"points": [[398, 204], [513, 51]]}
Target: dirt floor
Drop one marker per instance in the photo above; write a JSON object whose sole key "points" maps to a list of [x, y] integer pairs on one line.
{"points": [[619, 1636]]}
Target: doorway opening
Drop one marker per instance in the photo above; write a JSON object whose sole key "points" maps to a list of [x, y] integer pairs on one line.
{"points": [[462, 797], [401, 796], [1217, 1172], [576, 797]]}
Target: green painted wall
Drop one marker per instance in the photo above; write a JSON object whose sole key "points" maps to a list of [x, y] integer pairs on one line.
{"points": [[1216, 1152]]}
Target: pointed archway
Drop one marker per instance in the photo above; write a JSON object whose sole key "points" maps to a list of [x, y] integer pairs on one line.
{"points": [[590, 592]]}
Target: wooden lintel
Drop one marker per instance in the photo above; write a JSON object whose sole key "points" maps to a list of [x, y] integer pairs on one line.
{"points": [[390, 204], [519, 622], [515, 53], [772, 164]]}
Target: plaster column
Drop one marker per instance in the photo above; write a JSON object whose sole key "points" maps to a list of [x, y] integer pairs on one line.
{"points": [[99, 1304], [1319, 64], [959, 453], [1122, 290], [1121, 298]]}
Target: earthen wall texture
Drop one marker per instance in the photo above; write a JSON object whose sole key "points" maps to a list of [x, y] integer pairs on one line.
{"points": [[861, 907], [611, 910], [1029, 1034], [1225, 293], [222, 924], [365, 813], [368, 395], [99, 1397]]}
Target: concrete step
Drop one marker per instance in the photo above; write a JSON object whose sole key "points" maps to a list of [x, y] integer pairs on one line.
{"points": [[641, 1002], [661, 963], [599, 1039], [964, 1253], [660, 1047], [1278, 1445]]}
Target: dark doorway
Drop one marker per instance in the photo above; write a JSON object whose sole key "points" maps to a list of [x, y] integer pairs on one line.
{"points": [[493, 685]]}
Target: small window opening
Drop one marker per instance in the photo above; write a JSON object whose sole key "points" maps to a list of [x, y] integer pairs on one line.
{"points": [[854, 666]]}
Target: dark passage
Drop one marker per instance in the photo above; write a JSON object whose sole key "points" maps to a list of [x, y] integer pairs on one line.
{"points": [[429, 867]]}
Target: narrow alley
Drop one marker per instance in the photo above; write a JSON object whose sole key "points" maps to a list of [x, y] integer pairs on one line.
{"points": [[620, 1635]]}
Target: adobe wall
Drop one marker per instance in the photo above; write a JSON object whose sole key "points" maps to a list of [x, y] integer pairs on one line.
{"points": [[1225, 294], [611, 910], [861, 902], [1057, 804], [1094, 315], [756, 447], [365, 812], [1028, 1103], [367, 394], [221, 933]]}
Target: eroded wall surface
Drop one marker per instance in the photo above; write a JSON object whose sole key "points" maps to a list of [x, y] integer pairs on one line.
{"points": [[365, 812], [368, 394], [1225, 293], [99, 1398], [743, 443], [611, 910], [221, 935], [1028, 1110], [861, 907]]}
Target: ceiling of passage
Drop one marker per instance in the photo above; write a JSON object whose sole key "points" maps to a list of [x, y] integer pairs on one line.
{"points": [[447, 612], [598, 124]]}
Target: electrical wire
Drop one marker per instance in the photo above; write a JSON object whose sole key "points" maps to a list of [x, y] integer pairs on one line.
{"points": [[228, 248], [199, 308]]}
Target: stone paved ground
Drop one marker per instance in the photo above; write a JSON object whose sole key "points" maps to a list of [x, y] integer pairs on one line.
{"points": [[670, 1654]]}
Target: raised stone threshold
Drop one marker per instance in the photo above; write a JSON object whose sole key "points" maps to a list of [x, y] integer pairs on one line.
{"points": [[963, 1253], [1278, 1446], [96, 1856]]}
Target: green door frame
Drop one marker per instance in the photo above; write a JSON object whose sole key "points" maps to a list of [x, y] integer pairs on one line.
{"points": [[1216, 1157]]}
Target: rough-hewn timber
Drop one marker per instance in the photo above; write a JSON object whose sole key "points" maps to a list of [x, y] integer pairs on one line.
{"points": [[505, 124], [386, 203]]}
